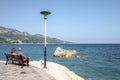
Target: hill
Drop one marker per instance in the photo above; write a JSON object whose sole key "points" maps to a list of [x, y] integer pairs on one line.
{"points": [[9, 35]]}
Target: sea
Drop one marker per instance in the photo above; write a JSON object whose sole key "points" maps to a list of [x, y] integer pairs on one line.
{"points": [[95, 61]]}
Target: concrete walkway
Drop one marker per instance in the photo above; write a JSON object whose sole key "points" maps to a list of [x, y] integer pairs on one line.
{"points": [[15, 72]]}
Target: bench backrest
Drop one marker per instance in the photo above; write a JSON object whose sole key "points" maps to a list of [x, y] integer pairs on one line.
{"points": [[15, 57], [12, 57], [8, 56]]}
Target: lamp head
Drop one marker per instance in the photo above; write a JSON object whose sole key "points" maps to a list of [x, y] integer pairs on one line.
{"points": [[45, 13]]}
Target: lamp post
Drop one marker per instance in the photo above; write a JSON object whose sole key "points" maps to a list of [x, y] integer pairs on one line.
{"points": [[45, 13]]}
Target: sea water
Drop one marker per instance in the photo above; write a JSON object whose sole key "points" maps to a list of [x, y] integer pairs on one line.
{"points": [[95, 62]]}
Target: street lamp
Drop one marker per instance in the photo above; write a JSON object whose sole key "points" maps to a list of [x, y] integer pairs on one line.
{"points": [[45, 13]]}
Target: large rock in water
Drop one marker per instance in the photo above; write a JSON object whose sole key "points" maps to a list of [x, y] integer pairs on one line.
{"points": [[59, 52]]}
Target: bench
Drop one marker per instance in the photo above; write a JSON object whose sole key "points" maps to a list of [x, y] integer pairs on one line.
{"points": [[17, 58]]}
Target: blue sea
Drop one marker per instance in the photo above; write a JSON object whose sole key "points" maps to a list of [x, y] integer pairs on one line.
{"points": [[96, 61]]}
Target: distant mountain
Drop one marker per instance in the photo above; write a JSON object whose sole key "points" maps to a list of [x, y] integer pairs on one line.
{"points": [[9, 35]]}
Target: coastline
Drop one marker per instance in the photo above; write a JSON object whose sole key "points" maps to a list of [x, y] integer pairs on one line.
{"points": [[53, 71]]}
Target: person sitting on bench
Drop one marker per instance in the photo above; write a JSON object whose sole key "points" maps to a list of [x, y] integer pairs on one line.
{"points": [[20, 52], [13, 51], [23, 56]]}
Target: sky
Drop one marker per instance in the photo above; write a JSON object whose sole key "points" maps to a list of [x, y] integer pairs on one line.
{"points": [[79, 21]]}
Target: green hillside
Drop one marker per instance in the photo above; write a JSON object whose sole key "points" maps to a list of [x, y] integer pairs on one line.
{"points": [[9, 35]]}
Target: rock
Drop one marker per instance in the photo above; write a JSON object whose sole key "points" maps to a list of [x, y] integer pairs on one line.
{"points": [[59, 72], [59, 52]]}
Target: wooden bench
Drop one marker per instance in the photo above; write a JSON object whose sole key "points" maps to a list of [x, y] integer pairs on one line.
{"points": [[17, 58]]}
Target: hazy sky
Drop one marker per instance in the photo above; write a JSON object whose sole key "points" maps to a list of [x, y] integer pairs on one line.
{"points": [[81, 21]]}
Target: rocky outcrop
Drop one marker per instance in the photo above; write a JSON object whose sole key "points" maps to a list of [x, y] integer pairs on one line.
{"points": [[59, 52], [59, 72]]}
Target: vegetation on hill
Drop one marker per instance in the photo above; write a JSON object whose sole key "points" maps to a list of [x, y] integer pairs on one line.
{"points": [[9, 35]]}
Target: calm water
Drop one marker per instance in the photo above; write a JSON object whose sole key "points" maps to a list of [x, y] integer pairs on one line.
{"points": [[96, 62]]}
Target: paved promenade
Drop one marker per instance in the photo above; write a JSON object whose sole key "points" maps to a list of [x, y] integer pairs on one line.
{"points": [[36, 71], [15, 72]]}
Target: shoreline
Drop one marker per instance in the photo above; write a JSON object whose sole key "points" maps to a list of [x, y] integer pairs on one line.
{"points": [[57, 71], [62, 43]]}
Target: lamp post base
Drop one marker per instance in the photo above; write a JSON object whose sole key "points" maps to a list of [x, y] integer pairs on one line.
{"points": [[45, 58]]}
